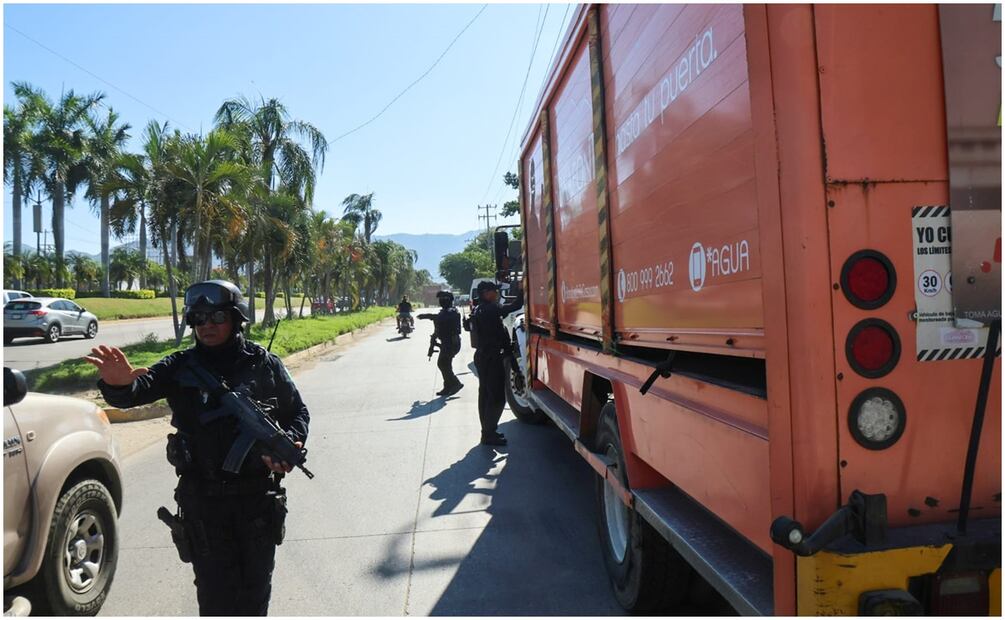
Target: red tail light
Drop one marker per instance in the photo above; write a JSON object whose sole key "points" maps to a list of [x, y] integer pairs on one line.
{"points": [[868, 279], [38, 313], [873, 348]]}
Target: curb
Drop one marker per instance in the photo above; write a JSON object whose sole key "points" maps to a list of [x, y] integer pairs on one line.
{"points": [[161, 409]]}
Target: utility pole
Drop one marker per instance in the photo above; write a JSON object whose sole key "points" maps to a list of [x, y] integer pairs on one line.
{"points": [[489, 217]]}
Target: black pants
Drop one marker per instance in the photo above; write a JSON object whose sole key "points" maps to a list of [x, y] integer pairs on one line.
{"points": [[234, 549], [491, 390], [445, 362]]}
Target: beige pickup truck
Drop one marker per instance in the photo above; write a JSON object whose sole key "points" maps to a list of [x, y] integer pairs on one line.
{"points": [[62, 497]]}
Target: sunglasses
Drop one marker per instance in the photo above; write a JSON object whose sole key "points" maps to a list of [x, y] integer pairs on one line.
{"points": [[197, 318]]}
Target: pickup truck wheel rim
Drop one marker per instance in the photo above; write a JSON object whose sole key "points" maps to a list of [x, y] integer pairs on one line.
{"points": [[616, 513], [84, 551]]}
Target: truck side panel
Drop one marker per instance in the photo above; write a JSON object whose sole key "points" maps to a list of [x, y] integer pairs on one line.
{"points": [[577, 243], [532, 186], [682, 181]]}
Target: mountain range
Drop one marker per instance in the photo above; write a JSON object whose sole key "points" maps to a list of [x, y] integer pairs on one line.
{"points": [[431, 247]]}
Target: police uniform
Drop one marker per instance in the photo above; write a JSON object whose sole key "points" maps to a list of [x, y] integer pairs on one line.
{"points": [[492, 345], [447, 329], [233, 522]]}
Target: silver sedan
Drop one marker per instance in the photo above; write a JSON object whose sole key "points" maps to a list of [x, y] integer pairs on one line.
{"points": [[47, 317]]}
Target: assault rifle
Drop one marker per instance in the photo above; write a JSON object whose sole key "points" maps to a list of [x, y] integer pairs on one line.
{"points": [[432, 347], [256, 426]]}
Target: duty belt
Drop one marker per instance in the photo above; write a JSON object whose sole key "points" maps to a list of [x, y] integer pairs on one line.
{"points": [[236, 486]]}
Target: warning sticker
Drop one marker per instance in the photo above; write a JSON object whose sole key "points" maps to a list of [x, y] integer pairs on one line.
{"points": [[939, 338]]}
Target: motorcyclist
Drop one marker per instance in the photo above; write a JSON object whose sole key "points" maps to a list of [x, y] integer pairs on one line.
{"points": [[405, 312], [232, 522], [447, 331]]}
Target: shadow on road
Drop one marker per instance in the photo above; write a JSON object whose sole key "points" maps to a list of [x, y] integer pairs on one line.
{"points": [[473, 368], [397, 338], [421, 409]]}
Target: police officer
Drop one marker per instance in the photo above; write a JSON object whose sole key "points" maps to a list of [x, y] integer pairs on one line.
{"points": [[492, 344], [231, 522], [447, 330]]}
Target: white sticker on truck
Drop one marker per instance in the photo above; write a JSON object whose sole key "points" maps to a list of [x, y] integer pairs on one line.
{"points": [[938, 339]]}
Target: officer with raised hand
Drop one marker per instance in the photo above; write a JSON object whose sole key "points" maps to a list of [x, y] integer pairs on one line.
{"points": [[492, 345], [228, 524], [447, 331]]}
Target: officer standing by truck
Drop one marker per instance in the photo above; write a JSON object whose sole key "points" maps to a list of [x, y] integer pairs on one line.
{"points": [[447, 331], [230, 523], [492, 345]]}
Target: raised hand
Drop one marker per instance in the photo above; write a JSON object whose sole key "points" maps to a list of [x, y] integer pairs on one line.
{"points": [[113, 366]]}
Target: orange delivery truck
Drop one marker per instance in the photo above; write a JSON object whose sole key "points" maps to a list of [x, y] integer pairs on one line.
{"points": [[761, 256]]}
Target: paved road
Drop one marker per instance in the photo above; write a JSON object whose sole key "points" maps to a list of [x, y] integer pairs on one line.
{"points": [[407, 515], [30, 353]]}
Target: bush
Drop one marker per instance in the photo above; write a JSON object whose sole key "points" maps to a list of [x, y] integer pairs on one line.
{"points": [[68, 293], [143, 293]]}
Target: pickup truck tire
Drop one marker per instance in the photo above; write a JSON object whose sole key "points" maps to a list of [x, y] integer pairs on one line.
{"points": [[646, 574], [83, 532], [518, 404]]}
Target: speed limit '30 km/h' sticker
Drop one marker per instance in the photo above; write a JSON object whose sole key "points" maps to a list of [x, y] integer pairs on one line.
{"points": [[939, 338]]}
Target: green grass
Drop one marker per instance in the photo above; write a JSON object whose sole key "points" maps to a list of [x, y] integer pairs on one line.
{"points": [[113, 309], [296, 335]]}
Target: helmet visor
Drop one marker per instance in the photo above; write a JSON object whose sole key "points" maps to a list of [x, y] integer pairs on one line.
{"points": [[205, 294]]}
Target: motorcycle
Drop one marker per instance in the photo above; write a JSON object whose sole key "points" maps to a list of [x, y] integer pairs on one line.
{"points": [[405, 326]]}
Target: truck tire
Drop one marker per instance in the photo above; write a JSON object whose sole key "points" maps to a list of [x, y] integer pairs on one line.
{"points": [[646, 574], [521, 407], [80, 554]]}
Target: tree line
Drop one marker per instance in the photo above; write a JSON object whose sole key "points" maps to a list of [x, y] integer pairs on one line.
{"points": [[235, 202]]}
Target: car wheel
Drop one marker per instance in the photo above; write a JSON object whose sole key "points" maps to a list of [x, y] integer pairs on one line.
{"points": [[517, 399], [80, 554], [646, 574], [92, 330], [52, 335]]}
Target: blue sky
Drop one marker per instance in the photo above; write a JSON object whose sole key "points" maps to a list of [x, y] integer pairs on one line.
{"points": [[429, 158]]}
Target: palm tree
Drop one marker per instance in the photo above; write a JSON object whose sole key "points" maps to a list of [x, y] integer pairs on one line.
{"points": [[207, 173], [13, 267], [107, 138], [133, 183], [359, 210], [84, 269], [126, 266], [60, 144], [18, 124], [273, 145]]}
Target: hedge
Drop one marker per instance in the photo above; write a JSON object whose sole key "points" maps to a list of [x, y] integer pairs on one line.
{"points": [[67, 293], [143, 293]]}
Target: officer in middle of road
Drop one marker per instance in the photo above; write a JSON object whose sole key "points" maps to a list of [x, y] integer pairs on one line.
{"points": [[492, 345], [447, 330]]}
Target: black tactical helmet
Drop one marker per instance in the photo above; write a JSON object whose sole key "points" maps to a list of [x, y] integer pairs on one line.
{"points": [[216, 295]]}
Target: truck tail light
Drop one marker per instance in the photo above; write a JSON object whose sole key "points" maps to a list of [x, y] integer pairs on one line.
{"points": [[868, 279], [872, 348], [877, 418]]}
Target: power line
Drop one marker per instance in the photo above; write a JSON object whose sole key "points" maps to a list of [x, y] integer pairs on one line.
{"points": [[558, 39], [96, 76], [416, 81], [523, 89]]}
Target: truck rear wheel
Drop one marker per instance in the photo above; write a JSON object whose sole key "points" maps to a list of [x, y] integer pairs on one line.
{"points": [[647, 575], [519, 404], [80, 554]]}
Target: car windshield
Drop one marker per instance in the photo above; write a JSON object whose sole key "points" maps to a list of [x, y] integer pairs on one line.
{"points": [[23, 305]]}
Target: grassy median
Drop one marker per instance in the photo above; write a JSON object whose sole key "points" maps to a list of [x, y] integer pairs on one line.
{"points": [[295, 335], [110, 309]]}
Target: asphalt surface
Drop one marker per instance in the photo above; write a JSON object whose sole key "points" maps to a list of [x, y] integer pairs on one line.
{"points": [[31, 353], [407, 515]]}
